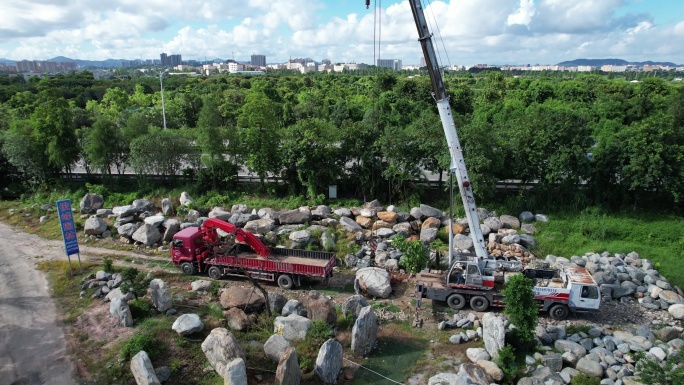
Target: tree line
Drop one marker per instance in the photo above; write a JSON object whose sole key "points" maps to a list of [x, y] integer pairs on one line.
{"points": [[577, 140]]}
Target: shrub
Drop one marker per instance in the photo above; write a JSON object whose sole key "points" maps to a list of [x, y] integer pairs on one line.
{"points": [[416, 256], [583, 379], [650, 372], [506, 360], [140, 342], [140, 309], [134, 281], [521, 307], [107, 264]]}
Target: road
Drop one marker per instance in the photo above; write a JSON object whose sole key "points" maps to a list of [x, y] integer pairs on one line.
{"points": [[32, 343]]}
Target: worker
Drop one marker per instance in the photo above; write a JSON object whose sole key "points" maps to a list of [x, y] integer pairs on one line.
{"points": [[459, 274], [357, 286]]}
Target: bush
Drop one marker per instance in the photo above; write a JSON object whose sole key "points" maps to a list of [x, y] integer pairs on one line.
{"points": [[583, 379], [134, 281], [140, 309], [140, 342], [107, 264], [521, 307], [416, 256], [650, 372], [506, 360]]}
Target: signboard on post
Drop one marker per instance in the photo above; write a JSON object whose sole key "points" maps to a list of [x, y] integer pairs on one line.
{"points": [[66, 220]]}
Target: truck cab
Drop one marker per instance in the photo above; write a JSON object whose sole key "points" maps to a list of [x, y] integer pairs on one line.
{"points": [[185, 246], [573, 291]]}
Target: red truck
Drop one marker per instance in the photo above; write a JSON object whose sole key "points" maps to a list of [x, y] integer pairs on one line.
{"points": [[201, 249]]}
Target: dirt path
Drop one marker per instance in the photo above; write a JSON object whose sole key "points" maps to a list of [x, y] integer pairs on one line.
{"points": [[32, 343]]}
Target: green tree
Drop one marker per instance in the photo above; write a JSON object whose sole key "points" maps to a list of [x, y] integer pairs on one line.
{"points": [[161, 152], [53, 128], [521, 308], [258, 122], [24, 152], [104, 146]]}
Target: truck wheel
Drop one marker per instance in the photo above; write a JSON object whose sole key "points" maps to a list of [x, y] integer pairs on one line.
{"points": [[479, 303], [456, 301], [559, 312], [285, 282], [188, 268], [215, 272]]}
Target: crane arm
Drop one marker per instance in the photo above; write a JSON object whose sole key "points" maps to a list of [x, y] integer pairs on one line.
{"points": [[458, 166], [211, 236]]}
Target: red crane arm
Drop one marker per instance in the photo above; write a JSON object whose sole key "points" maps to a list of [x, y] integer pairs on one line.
{"points": [[209, 232]]}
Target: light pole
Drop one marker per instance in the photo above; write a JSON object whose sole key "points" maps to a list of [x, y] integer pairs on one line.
{"points": [[161, 74]]}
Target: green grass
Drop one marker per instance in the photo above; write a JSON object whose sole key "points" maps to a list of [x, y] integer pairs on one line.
{"points": [[393, 358], [657, 237]]}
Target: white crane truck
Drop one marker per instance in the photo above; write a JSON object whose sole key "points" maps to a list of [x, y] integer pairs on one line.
{"points": [[571, 289]]}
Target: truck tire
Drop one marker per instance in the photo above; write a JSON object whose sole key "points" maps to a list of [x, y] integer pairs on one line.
{"points": [[479, 303], [559, 312], [215, 272], [285, 282], [456, 301], [187, 268]]}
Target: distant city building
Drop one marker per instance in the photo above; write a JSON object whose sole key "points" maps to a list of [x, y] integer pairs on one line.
{"points": [[612, 68], [422, 62], [234, 67], [45, 66], [259, 60], [585, 68], [349, 66], [394, 64], [170, 60]]}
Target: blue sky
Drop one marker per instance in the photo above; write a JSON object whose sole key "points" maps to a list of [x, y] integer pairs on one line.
{"points": [[473, 31]]}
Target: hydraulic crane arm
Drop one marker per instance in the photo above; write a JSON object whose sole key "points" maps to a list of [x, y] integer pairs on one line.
{"points": [[210, 235], [458, 166]]}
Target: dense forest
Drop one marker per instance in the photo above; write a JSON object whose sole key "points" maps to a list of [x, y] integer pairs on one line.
{"points": [[581, 139]]}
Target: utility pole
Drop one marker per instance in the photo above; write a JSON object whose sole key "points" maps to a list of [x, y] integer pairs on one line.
{"points": [[161, 84]]}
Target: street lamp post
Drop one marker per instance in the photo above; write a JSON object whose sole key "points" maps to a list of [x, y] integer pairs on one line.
{"points": [[161, 74]]}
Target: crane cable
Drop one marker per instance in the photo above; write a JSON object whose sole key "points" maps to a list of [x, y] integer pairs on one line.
{"points": [[439, 35]]}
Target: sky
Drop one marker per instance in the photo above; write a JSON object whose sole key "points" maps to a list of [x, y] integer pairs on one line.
{"points": [[466, 31]]}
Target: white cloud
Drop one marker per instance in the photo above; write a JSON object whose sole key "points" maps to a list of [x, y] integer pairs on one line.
{"points": [[524, 14]]}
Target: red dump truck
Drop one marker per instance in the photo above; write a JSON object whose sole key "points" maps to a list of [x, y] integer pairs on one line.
{"points": [[239, 252]]}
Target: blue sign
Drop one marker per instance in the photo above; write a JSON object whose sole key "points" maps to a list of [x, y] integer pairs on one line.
{"points": [[66, 219]]}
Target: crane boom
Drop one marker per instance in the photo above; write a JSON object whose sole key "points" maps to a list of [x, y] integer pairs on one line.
{"points": [[458, 166]]}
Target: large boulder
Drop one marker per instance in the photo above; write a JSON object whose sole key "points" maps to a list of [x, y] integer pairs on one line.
{"points": [[94, 226], [234, 372], [260, 226], [510, 222], [142, 369], [569, 346], [147, 235], [236, 319], [429, 211], [477, 354], [187, 324], [493, 334], [172, 226], [248, 299], [590, 366], [353, 305], [676, 310], [428, 234], [288, 372], [468, 374], [167, 207], [300, 236], [320, 308], [118, 307], [124, 211], [276, 302], [294, 307], [185, 199], [365, 332], [220, 347], [375, 281], [128, 229], [388, 216], [275, 347], [350, 225], [293, 327], [155, 220], [90, 203], [161, 296], [220, 213], [142, 205], [492, 369], [294, 217], [329, 361]]}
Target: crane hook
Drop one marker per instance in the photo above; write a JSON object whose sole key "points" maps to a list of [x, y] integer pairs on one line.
{"points": [[367, 4]]}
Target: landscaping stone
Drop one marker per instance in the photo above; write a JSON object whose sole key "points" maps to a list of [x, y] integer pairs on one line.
{"points": [[375, 281], [329, 361], [142, 369], [220, 347], [288, 372], [248, 299], [365, 332], [275, 347], [493, 334], [293, 327], [187, 324], [161, 297]]}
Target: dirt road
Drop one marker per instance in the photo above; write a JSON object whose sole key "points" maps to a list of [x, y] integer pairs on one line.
{"points": [[32, 344]]}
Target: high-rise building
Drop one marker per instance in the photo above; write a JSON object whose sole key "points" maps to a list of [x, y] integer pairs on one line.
{"points": [[394, 64], [259, 60], [175, 60], [164, 59]]}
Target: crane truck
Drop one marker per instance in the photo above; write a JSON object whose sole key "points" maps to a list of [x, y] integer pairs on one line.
{"points": [[240, 253], [474, 280]]}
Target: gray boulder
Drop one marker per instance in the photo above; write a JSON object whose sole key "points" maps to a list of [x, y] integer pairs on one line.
{"points": [[375, 281], [172, 226], [124, 211], [493, 334], [509, 221], [147, 235], [236, 319], [239, 209], [288, 372], [590, 366], [142, 205], [526, 217], [95, 226], [553, 361], [468, 374], [155, 220], [118, 307], [350, 225], [241, 220], [167, 207], [353, 305], [234, 372], [329, 361], [142, 369], [220, 213], [477, 354], [301, 236], [365, 332], [260, 226], [293, 327], [327, 241], [429, 211], [185, 199], [90, 203], [187, 324], [275, 347], [493, 223], [343, 212], [128, 229], [220, 347], [427, 235], [569, 346], [276, 302], [294, 217], [293, 306], [161, 296], [462, 242]]}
